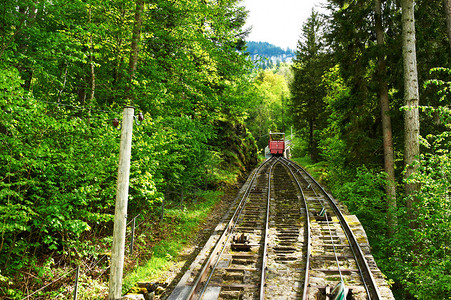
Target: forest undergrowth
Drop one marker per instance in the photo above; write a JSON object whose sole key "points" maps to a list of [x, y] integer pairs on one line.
{"points": [[416, 261]]}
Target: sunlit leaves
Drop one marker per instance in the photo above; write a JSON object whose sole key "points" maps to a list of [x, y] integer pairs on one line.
{"points": [[58, 151]]}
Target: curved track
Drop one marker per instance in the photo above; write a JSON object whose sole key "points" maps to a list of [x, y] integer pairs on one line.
{"points": [[336, 254], [286, 239]]}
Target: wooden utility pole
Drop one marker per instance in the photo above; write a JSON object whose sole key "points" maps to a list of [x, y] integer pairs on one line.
{"points": [[120, 214]]}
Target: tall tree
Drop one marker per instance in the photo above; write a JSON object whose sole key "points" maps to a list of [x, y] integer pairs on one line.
{"points": [[411, 99], [447, 8], [136, 36], [351, 37], [389, 161], [307, 96], [134, 47]]}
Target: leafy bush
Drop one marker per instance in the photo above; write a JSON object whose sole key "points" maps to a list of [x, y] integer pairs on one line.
{"points": [[365, 197], [56, 162], [59, 165], [425, 270]]}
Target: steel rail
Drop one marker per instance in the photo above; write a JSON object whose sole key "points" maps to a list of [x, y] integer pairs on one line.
{"points": [[309, 236], [265, 240], [367, 276], [225, 236]]}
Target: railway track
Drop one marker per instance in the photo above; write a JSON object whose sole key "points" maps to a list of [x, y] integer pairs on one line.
{"points": [[336, 256], [285, 239]]}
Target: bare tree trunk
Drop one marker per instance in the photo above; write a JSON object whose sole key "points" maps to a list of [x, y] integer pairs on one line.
{"points": [[389, 161], [182, 196], [93, 82], [91, 58], [166, 196], [311, 137], [447, 8], [135, 38], [29, 14], [411, 99]]}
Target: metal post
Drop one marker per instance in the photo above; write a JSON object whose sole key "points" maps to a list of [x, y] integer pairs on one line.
{"points": [[120, 214], [77, 274], [132, 237]]}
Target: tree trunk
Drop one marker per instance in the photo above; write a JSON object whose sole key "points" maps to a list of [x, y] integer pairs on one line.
{"points": [[136, 38], [182, 195], [313, 145], [166, 196], [389, 161], [91, 61], [447, 8], [60, 92], [28, 19], [411, 99]]}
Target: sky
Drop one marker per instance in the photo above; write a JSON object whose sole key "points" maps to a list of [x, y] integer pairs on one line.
{"points": [[278, 22]]}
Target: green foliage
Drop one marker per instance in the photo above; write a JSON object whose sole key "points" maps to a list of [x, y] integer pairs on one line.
{"points": [[56, 164], [270, 106], [429, 265], [72, 75], [299, 147], [307, 106], [365, 197], [335, 111], [91, 289], [332, 145], [421, 261]]}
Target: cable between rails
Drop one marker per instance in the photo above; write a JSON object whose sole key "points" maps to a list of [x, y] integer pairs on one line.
{"points": [[329, 229]]}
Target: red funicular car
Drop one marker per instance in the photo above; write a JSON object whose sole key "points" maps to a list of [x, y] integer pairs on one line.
{"points": [[276, 143]]}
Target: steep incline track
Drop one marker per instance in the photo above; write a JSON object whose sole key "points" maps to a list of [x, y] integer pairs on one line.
{"points": [[285, 239], [336, 254]]}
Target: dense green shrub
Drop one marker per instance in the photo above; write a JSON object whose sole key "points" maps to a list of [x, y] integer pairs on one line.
{"points": [[425, 271], [56, 162], [76, 64], [365, 197]]}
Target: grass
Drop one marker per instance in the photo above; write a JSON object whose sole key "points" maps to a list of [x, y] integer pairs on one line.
{"points": [[178, 226], [163, 255]]}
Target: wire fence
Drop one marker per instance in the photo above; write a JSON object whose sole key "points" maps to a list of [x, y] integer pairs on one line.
{"points": [[88, 269]]}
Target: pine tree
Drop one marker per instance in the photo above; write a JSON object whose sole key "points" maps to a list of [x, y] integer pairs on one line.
{"points": [[307, 95]]}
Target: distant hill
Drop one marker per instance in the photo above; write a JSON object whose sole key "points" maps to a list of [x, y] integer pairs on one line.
{"points": [[267, 50], [266, 55]]}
